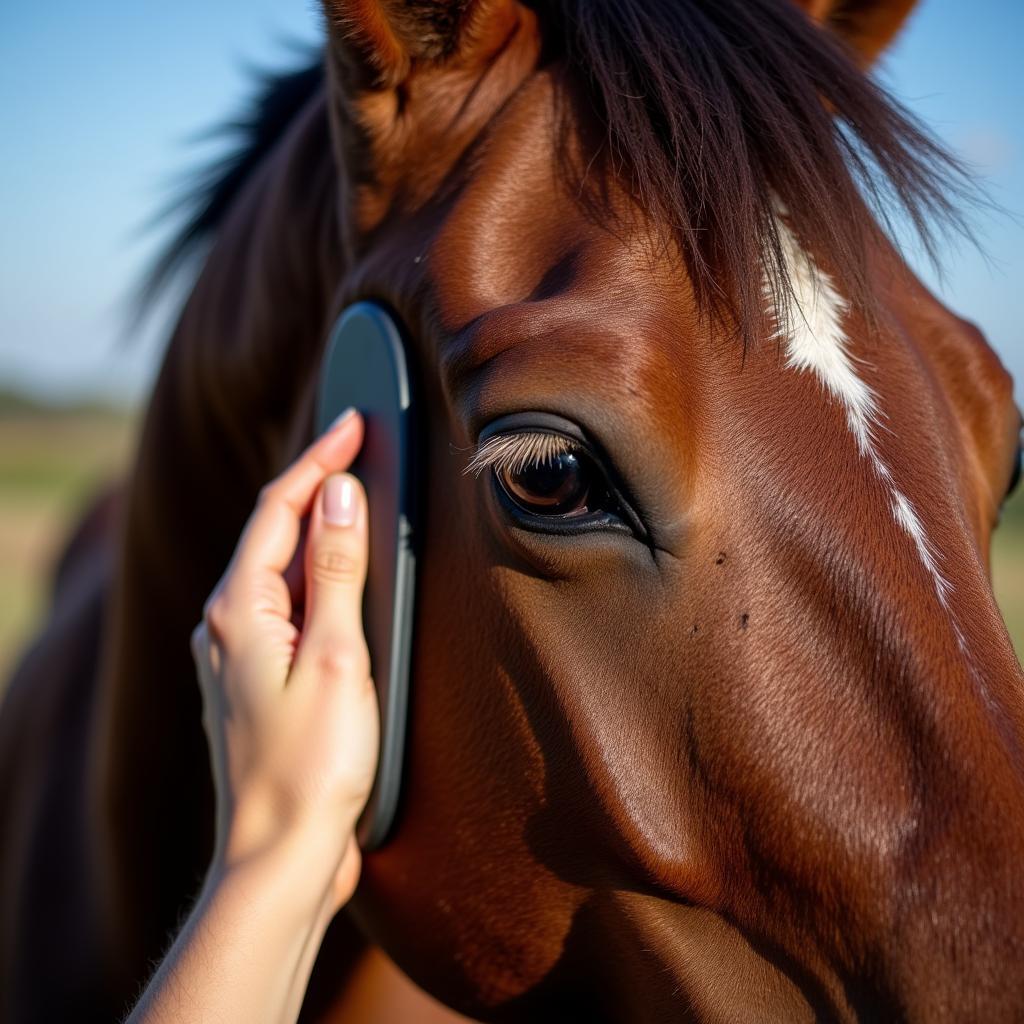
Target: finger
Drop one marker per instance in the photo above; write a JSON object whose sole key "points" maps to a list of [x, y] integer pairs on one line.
{"points": [[271, 536], [272, 533], [336, 556]]}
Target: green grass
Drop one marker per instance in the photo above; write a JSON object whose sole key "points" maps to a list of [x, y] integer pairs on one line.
{"points": [[53, 461], [1008, 567]]}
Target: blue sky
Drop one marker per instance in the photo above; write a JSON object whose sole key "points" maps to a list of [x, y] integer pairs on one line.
{"points": [[100, 101]]}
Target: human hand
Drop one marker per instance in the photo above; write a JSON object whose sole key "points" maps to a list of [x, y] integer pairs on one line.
{"points": [[289, 708]]}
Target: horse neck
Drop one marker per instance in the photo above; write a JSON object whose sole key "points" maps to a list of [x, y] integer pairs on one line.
{"points": [[232, 404]]}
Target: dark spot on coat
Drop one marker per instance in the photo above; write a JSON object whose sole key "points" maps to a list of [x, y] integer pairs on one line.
{"points": [[720, 560], [744, 620]]}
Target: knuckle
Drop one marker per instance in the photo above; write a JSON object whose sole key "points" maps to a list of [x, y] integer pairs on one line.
{"points": [[267, 493], [334, 565], [217, 615], [340, 659], [333, 663]]}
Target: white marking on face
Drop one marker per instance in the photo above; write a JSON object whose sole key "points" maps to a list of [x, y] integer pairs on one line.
{"points": [[811, 327]]}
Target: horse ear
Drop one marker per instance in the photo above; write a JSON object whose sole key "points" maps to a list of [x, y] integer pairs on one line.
{"points": [[867, 26], [409, 88], [383, 40]]}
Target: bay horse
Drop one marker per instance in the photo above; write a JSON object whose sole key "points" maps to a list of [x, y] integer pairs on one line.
{"points": [[714, 717]]}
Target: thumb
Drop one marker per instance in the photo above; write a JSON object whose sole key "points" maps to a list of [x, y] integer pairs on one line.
{"points": [[336, 556]]}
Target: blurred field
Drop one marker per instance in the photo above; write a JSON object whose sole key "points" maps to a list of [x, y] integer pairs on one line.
{"points": [[52, 461], [1008, 568]]}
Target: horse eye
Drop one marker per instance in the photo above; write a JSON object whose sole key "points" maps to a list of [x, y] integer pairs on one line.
{"points": [[563, 484]]}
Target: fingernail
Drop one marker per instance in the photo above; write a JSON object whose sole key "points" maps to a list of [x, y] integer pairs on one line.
{"points": [[339, 500], [346, 415]]}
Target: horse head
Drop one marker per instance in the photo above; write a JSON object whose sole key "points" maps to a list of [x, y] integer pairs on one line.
{"points": [[713, 710]]}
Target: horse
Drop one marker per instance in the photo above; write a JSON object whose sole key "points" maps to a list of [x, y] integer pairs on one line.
{"points": [[713, 714]]}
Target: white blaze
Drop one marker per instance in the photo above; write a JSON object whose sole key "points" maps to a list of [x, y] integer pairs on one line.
{"points": [[811, 329]]}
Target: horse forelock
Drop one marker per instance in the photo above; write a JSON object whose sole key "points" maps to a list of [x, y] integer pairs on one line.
{"points": [[710, 114]]}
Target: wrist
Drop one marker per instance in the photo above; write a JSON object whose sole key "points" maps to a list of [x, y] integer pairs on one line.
{"points": [[293, 871], [262, 824]]}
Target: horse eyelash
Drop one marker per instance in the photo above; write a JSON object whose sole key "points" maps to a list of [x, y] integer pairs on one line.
{"points": [[515, 452]]}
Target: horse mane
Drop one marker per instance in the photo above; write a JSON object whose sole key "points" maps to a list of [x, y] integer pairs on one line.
{"points": [[205, 197], [718, 116]]}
